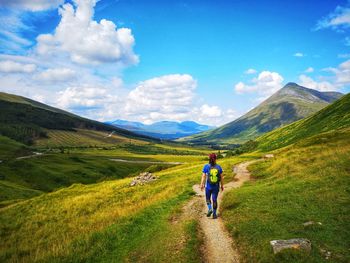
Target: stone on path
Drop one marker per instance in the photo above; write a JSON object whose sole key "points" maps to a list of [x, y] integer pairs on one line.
{"points": [[295, 243]]}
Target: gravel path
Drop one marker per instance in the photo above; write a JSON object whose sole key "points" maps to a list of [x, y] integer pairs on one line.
{"points": [[218, 245]]}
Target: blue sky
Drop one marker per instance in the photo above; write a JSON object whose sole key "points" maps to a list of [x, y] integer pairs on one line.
{"points": [[208, 61]]}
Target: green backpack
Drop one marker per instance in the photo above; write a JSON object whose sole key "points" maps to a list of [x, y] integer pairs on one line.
{"points": [[214, 176]]}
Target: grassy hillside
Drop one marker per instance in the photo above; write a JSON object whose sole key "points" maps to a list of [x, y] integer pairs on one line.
{"points": [[82, 138], [50, 172], [106, 222], [305, 182], [334, 117], [288, 105], [11, 148], [25, 120]]}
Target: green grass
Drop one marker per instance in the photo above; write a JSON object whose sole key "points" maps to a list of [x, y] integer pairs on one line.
{"points": [[10, 148], [51, 172], [58, 219], [108, 221], [10, 193], [307, 182]]}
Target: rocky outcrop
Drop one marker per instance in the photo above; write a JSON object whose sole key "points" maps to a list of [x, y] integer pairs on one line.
{"points": [[143, 178]]}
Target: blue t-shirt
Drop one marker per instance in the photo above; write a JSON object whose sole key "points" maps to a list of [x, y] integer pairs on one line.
{"points": [[206, 170]]}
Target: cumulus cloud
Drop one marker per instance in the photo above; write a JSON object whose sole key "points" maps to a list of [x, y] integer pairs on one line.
{"points": [[309, 82], [37, 5], [337, 20], [250, 71], [265, 84], [210, 111], [165, 97], [82, 97], [87, 41], [299, 55], [8, 66], [339, 78], [342, 73], [309, 70], [56, 75]]}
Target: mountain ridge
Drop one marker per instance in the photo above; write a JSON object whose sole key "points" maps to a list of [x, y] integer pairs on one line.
{"points": [[163, 129], [291, 103]]}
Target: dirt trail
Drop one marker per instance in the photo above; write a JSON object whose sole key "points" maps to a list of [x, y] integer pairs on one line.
{"points": [[218, 245]]}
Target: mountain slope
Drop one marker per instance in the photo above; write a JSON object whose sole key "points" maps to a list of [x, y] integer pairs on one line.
{"points": [[332, 118], [25, 120], [291, 103], [163, 129]]}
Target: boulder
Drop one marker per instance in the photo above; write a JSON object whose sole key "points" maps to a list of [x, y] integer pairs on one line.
{"points": [[267, 156], [295, 243]]}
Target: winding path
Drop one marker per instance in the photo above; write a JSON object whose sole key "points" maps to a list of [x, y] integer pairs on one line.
{"points": [[218, 245]]}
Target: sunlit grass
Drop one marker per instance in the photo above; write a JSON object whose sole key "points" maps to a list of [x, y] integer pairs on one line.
{"points": [[48, 226], [309, 182]]}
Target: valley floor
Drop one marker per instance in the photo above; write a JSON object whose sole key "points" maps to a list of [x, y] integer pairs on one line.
{"points": [[104, 219]]}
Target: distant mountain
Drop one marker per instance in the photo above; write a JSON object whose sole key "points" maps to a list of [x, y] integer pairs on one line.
{"points": [[164, 129], [26, 120], [289, 104], [334, 118]]}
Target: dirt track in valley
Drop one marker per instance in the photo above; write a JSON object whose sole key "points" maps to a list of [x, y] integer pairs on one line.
{"points": [[218, 244]]}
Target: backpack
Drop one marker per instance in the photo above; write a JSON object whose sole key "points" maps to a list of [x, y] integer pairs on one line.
{"points": [[213, 176]]}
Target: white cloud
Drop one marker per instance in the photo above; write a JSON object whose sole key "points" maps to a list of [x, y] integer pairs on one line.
{"points": [[309, 70], [342, 73], [339, 78], [82, 97], [9, 66], [310, 83], [265, 84], [210, 111], [165, 97], [299, 54], [56, 75], [36, 5], [11, 28], [86, 41], [338, 20], [250, 71]]}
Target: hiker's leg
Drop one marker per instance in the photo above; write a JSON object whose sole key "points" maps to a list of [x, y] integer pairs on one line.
{"points": [[215, 193], [207, 197]]}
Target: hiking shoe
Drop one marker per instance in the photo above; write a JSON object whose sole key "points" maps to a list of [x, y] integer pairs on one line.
{"points": [[209, 213], [215, 216]]}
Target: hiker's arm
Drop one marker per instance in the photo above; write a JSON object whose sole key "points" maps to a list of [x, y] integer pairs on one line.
{"points": [[202, 181], [222, 182]]}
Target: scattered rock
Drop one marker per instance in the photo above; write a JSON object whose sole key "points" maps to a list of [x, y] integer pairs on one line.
{"points": [[143, 178], [267, 156], [295, 243], [309, 223]]}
